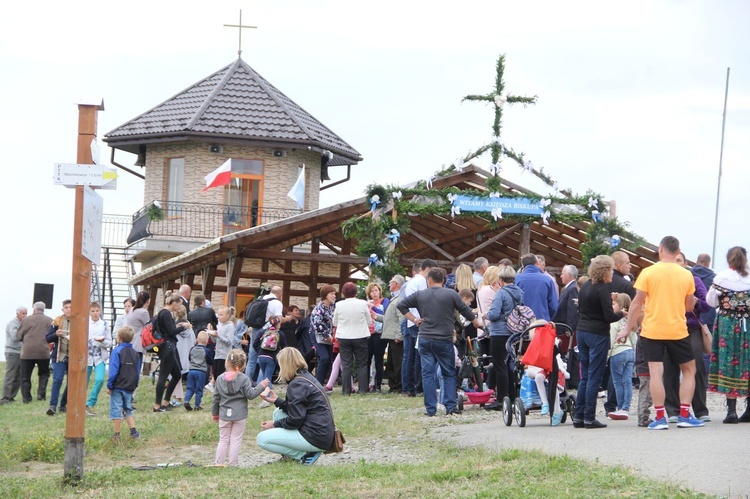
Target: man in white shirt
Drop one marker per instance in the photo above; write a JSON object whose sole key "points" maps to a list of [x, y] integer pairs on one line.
{"points": [[185, 292], [411, 367], [480, 265]]}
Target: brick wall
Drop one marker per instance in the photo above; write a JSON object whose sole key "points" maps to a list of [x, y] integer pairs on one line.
{"points": [[279, 174]]}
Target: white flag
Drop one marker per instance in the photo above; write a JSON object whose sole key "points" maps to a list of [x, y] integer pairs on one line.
{"points": [[297, 192]]}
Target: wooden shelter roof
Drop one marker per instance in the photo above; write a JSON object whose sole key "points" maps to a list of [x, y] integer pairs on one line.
{"points": [[446, 240]]}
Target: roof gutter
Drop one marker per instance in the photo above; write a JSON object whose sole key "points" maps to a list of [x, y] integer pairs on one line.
{"points": [[348, 177], [112, 160]]}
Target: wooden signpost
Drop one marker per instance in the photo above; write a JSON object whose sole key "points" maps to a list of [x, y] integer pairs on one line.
{"points": [[79, 321]]}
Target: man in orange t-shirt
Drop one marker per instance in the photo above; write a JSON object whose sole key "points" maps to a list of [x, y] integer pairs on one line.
{"points": [[666, 289]]}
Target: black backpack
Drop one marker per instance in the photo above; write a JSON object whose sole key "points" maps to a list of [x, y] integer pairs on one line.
{"points": [[127, 376], [255, 315]]}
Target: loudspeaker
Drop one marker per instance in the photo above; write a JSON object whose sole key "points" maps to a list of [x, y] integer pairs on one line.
{"points": [[43, 293]]}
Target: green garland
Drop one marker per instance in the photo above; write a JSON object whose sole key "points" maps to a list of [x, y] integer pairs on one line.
{"points": [[155, 213], [371, 237], [599, 235], [371, 231]]}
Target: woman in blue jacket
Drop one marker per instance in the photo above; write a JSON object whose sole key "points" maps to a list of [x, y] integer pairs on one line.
{"points": [[507, 297]]}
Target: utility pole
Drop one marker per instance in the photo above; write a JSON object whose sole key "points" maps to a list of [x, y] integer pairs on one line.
{"points": [[79, 321], [721, 161]]}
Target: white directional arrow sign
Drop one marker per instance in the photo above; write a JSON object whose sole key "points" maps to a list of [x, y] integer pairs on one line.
{"points": [[71, 175]]}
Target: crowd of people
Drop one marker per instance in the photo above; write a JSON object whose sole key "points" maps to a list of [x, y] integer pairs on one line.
{"points": [[676, 331]]}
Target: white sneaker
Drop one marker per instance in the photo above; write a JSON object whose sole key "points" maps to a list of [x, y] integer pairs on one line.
{"points": [[263, 405], [209, 387], [620, 415]]}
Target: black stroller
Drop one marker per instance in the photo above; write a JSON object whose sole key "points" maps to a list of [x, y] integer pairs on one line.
{"points": [[516, 347]]}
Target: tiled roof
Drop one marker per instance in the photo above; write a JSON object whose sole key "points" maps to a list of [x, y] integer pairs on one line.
{"points": [[234, 102]]}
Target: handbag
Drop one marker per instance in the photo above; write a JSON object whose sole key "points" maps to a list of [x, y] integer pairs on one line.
{"points": [[338, 437], [706, 336], [540, 352]]}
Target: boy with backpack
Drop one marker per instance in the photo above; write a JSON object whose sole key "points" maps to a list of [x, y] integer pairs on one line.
{"points": [[123, 379]]}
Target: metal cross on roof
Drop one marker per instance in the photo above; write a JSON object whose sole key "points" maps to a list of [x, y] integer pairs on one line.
{"points": [[239, 29]]}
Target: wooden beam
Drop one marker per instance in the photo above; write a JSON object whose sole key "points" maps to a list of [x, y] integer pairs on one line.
{"points": [[488, 242], [446, 232], [152, 289], [331, 247], [344, 270], [165, 286], [275, 276], [432, 245], [309, 236], [234, 264], [329, 217], [208, 277], [312, 291], [524, 248], [234, 268], [286, 283], [306, 257], [188, 279]]}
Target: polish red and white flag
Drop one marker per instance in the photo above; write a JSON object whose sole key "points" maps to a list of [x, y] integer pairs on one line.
{"points": [[219, 177]]}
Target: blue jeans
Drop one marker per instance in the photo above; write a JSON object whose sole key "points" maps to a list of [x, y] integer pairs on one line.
{"points": [[288, 443], [59, 370], [252, 353], [120, 404], [324, 352], [621, 366], [100, 372], [436, 353], [267, 366], [408, 365], [196, 380], [592, 353]]}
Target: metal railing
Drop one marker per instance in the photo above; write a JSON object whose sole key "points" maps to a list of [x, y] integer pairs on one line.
{"points": [[115, 230], [200, 220]]}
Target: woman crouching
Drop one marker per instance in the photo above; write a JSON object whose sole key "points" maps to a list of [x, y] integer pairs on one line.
{"points": [[302, 426]]}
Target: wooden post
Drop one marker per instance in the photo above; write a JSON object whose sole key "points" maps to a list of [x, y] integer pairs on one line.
{"points": [[234, 269], [75, 420], [312, 293], [286, 285], [208, 276], [525, 241], [344, 269]]}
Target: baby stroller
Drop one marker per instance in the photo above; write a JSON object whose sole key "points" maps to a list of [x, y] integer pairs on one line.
{"points": [[516, 346]]}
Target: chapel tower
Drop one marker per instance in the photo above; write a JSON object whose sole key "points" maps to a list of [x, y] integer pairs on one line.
{"points": [[233, 114]]}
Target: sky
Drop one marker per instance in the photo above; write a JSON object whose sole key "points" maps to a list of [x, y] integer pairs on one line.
{"points": [[630, 100]]}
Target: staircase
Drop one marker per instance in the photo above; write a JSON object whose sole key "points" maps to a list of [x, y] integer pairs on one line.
{"points": [[110, 280]]}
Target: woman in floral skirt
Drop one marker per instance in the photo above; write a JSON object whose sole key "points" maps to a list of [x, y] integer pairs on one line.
{"points": [[730, 357]]}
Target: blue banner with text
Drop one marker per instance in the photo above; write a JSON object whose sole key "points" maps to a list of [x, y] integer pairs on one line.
{"points": [[517, 206]]}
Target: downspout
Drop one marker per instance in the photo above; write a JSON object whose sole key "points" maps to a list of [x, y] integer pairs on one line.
{"points": [[112, 160], [348, 177]]}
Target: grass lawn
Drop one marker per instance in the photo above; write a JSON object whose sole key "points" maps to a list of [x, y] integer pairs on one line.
{"points": [[389, 454]]}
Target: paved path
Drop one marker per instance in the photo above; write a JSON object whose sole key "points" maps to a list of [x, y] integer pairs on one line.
{"points": [[721, 453]]}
